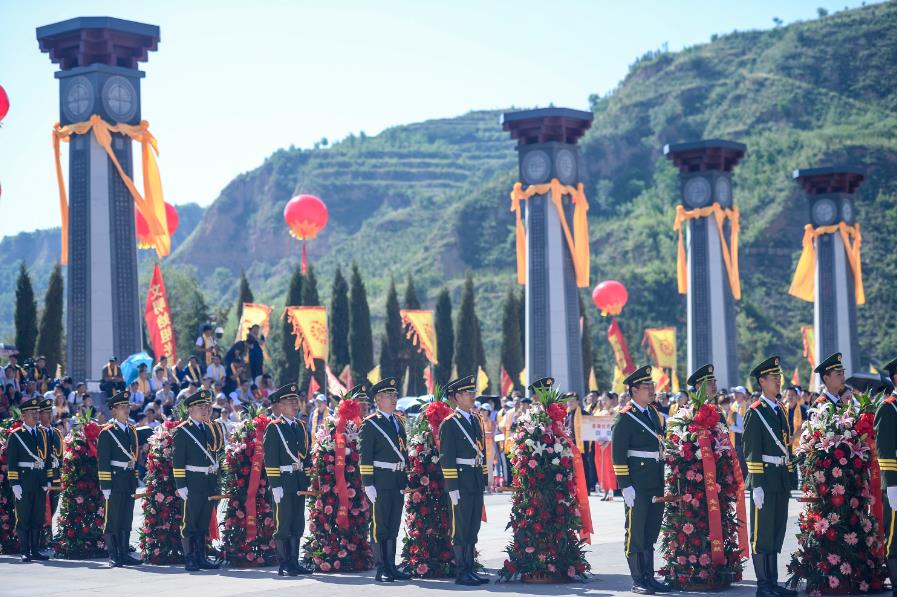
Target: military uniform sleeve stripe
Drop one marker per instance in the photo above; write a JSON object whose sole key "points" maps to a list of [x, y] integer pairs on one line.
{"points": [[13, 475]]}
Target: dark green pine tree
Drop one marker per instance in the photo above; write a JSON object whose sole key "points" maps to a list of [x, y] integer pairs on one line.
{"points": [[481, 353], [511, 349], [416, 361], [310, 298], [392, 342], [25, 315], [49, 337], [361, 342], [245, 295], [292, 358], [445, 337], [467, 350], [338, 320], [586, 345]]}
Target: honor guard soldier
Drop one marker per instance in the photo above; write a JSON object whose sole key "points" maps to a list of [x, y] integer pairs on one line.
{"points": [[638, 460], [384, 460], [704, 378], [117, 448], [57, 443], [886, 450], [27, 454], [286, 455], [769, 464], [463, 462], [196, 477], [831, 372]]}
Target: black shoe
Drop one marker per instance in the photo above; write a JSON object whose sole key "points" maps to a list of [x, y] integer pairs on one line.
{"points": [[892, 573], [35, 547], [637, 572], [24, 545], [391, 561], [112, 549], [190, 564], [462, 574], [124, 553], [287, 567], [384, 572], [470, 553], [201, 554], [764, 588], [294, 557], [650, 581], [772, 571]]}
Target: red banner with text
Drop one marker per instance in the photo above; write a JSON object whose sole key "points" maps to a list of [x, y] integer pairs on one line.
{"points": [[158, 318]]}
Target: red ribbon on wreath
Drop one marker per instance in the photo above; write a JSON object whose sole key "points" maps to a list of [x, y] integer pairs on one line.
{"points": [[558, 414], [740, 509], [349, 410], [714, 520], [255, 477], [865, 425]]}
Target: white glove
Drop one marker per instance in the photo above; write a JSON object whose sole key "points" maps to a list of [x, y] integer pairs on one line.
{"points": [[277, 492], [371, 492], [106, 494], [629, 495], [46, 488], [183, 493], [454, 495], [17, 491], [892, 497], [758, 497]]}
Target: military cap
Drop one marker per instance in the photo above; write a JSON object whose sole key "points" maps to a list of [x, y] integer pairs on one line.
{"points": [[771, 366], [545, 383], [385, 386], [832, 363], [638, 376], [703, 374], [462, 384], [526, 401], [198, 398], [359, 392], [30, 404], [46, 404], [287, 392], [122, 398], [891, 368]]}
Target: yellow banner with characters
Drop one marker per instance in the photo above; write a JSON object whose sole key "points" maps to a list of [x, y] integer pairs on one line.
{"points": [[421, 331], [662, 346], [310, 328]]}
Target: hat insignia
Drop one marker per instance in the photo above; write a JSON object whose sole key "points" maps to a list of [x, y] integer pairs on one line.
{"points": [[839, 358], [648, 370], [710, 369], [548, 383], [776, 361]]}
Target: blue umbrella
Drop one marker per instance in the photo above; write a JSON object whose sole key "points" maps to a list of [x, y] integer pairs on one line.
{"points": [[129, 367]]}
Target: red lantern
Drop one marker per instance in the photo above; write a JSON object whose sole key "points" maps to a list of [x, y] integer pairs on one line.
{"points": [[610, 296], [306, 215], [4, 103], [143, 240]]}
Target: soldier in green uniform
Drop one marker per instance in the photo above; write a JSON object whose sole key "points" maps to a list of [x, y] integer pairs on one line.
{"points": [[57, 444], [286, 456], [196, 478], [27, 456], [766, 450], [637, 451], [462, 457], [117, 447], [886, 451], [384, 461], [831, 371]]}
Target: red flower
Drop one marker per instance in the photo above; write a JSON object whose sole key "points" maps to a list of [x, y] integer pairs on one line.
{"points": [[837, 500], [557, 412]]}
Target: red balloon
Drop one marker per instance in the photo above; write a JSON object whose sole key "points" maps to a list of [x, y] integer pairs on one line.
{"points": [[306, 215], [4, 103], [171, 217], [610, 296]]}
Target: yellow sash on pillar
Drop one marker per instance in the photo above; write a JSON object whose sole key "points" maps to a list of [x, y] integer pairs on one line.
{"points": [[803, 285], [729, 249]]}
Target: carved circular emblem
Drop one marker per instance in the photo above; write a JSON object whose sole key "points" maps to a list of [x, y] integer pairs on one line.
{"points": [[77, 102], [535, 167], [565, 166], [723, 190], [119, 98], [847, 211], [824, 212], [696, 192]]}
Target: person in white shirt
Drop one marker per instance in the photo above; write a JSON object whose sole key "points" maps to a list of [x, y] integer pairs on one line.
{"points": [[215, 371]]}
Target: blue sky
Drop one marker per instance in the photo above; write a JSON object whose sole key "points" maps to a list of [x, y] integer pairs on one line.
{"points": [[232, 82]]}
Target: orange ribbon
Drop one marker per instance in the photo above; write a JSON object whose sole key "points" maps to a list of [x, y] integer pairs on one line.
{"points": [[875, 481], [582, 491], [717, 553], [729, 249], [803, 285], [255, 477], [740, 510], [48, 515], [213, 525], [342, 489]]}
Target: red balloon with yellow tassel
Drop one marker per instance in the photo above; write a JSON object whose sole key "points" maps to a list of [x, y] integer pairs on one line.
{"points": [[306, 215]]}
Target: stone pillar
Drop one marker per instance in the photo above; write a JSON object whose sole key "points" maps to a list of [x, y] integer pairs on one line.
{"points": [[705, 172], [830, 191], [546, 146], [98, 57]]}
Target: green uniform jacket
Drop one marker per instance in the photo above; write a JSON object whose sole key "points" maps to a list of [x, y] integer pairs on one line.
{"points": [[57, 447], [645, 474], [218, 442], [454, 444], [31, 479], [276, 455], [886, 440], [116, 477], [759, 442], [375, 447], [188, 452]]}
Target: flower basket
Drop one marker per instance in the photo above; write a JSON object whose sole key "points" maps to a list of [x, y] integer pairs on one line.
{"points": [[9, 543], [160, 535]]}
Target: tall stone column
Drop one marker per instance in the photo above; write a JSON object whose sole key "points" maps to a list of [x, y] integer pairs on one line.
{"points": [[830, 191], [97, 58], [705, 172], [546, 146]]}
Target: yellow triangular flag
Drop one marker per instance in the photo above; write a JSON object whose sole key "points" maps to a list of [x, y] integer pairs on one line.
{"points": [[675, 381], [618, 381], [482, 380], [374, 375], [750, 386], [522, 377], [593, 381]]}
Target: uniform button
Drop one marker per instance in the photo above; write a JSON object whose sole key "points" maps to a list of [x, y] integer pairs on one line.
{"points": [[643, 464]]}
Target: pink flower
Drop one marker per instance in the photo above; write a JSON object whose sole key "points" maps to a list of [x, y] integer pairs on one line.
{"points": [[834, 559], [845, 568], [159, 497], [854, 503], [838, 489], [325, 566], [836, 472], [704, 560], [425, 480], [688, 528], [681, 560], [532, 464], [336, 565], [559, 477], [693, 559], [422, 568], [328, 510], [571, 571], [530, 549], [833, 581], [552, 568], [864, 586], [820, 527], [850, 538]]}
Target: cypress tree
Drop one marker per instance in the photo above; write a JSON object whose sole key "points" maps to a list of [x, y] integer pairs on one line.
{"points": [[361, 343], [586, 344], [339, 322], [511, 348], [25, 315], [392, 341], [467, 349], [416, 361], [244, 296], [292, 359], [49, 337], [445, 337], [310, 299]]}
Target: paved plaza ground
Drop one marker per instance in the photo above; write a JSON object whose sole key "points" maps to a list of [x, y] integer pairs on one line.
{"points": [[610, 574]]}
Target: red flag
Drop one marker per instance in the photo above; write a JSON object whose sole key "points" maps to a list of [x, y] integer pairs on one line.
{"points": [[795, 377], [507, 384], [346, 377], [313, 388], [621, 350], [428, 378], [158, 318]]}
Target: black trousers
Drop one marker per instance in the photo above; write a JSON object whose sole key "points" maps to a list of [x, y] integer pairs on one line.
{"points": [[289, 516], [30, 510], [119, 512], [197, 513], [387, 515], [588, 462], [643, 521], [768, 524], [467, 518]]}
